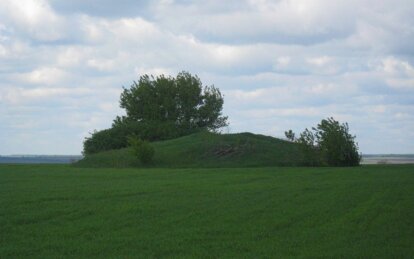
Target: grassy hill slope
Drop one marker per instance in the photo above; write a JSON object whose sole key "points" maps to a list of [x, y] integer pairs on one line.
{"points": [[207, 150]]}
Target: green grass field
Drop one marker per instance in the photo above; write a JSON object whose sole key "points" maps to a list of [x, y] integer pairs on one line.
{"points": [[53, 211]]}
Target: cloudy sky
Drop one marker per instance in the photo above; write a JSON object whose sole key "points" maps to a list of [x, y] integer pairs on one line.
{"points": [[282, 64]]}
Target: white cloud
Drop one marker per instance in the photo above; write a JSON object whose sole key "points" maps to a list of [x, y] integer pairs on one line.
{"points": [[395, 67], [71, 56], [22, 95], [102, 64], [34, 17], [283, 61], [155, 71], [300, 22], [322, 89], [377, 108], [285, 112], [319, 61], [401, 83], [44, 76], [399, 74], [3, 51]]}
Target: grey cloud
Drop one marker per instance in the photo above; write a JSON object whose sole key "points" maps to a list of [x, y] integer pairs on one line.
{"points": [[102, 8], [346, 61]]}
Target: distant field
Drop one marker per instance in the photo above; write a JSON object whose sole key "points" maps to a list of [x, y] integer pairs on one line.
{"points": [[51, 211], [387, 159]]}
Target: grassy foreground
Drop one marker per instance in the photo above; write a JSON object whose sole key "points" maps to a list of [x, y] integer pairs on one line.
{"points": [[50, 211], [205, 149]]}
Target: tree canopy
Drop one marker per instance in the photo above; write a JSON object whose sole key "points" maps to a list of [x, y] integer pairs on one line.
{"points": [[182, 101], [160, 108], [336, 144]]}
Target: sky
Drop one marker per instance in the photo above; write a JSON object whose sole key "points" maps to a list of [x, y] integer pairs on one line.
{"points": [[283, 64]]}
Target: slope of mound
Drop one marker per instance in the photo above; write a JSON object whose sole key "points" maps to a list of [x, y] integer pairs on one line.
{"points": [[207, 150]]}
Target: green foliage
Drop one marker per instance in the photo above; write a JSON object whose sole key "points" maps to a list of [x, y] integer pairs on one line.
{"points": [[181, 101], [330, 143], [336, 144], [160, 108], [59, 211], [309, 148], [115, 137], [141, 149], [290, 135]]}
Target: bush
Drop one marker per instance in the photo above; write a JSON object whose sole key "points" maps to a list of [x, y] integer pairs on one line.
{"points": [[329, 144], [116, 137], [143, 150], [336, 144], [107, 139]]}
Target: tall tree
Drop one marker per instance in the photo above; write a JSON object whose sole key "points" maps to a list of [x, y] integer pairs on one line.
{"points": [[182, 101], [162, 107]]}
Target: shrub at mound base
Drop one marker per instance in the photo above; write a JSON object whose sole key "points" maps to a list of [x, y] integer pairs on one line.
{"points": [[143, 150]]}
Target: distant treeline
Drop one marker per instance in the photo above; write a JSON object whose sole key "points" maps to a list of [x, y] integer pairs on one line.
{"points": [[39, 159]]}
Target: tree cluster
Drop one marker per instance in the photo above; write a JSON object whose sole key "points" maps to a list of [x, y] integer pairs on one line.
{"points": [[329, 144], [159, 108]]}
